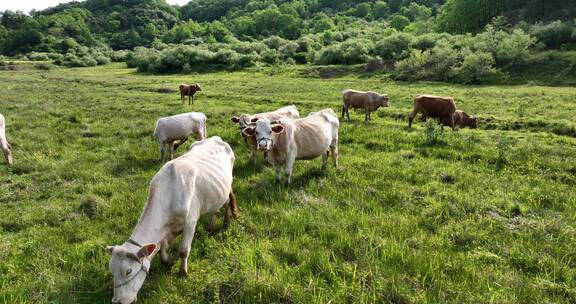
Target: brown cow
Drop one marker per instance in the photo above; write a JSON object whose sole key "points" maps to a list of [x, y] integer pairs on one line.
{"points": [[439, 107], [461, 120], [189, 90], [369, 101]]}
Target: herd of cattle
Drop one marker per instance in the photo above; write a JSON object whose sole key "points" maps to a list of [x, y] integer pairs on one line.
{"points": [[200, 181]]}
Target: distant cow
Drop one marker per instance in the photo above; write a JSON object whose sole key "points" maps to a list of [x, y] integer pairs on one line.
{"points": [[4, 145], [439, 107], [290, 139], [461, 120], [245, 120], [173, 131], [196, 183], [369, 101], [189, 90]]}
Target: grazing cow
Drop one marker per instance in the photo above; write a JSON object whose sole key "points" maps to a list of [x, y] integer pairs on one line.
{"points": [[4, 145], [288, 140], [439, 107], [189, 90], [173, 131], [245, 119], [461, 120], [196, 183], [369, 101]]}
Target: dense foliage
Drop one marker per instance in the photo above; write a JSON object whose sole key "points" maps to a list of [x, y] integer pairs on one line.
{"points": [[480, 38]]}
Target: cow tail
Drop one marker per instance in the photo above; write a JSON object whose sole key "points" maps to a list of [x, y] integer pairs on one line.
{"points": [[233, 204]]}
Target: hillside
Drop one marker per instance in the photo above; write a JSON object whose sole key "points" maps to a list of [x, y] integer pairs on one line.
{"points": [[407, 35]]}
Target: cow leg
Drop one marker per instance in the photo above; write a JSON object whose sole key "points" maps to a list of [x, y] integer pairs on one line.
{"points": [[288, 170], [324, 160], [343, 111], [411, 116], [226, 215], [185, 244], [277, 170], [182, 98], [452, 122], [254, 156], [366, 113], [164, 256], [212, 225], [162, 152], [7, 151], [171, 149], [334, 151]]}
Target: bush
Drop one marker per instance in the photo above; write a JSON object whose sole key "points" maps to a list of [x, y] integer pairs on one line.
{"points": [[554, 34], [476, 67], [37, 56], [351, 51], [119, 56], [394, 46]]}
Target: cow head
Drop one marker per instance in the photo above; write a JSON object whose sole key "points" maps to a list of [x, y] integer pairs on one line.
{"points": [[197, 86], [129, 267], [262, 133], [473, 123], [384, 100], [244, 121]]}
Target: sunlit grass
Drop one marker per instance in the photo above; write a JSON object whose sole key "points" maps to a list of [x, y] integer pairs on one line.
{"points": [[476, 216]]}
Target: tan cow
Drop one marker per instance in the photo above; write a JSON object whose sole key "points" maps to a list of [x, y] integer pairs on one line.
{"points": [[196, 183], [461, 120], [189, 90], [245, 120], [439, 107], [4, 145], [369, 101], [288, 140]]}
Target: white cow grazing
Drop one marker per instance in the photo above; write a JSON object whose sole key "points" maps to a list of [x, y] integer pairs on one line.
{"points": [[305, 138], [172, 131], [245, 120], [4, 145], [193, 184]]}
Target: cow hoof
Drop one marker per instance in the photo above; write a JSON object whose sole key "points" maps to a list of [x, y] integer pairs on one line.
{"points": [[183, 273]]}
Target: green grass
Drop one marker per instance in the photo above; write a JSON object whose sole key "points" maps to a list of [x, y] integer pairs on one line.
{"points": [[411, 215]]}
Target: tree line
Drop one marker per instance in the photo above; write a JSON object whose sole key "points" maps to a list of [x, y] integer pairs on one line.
{"points": [[239, 33]]}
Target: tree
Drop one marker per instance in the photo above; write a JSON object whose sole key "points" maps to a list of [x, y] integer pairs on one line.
{"points": [[399, 22]]}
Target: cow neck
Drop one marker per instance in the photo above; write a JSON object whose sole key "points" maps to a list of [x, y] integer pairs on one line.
{"points": [[151, 227]]}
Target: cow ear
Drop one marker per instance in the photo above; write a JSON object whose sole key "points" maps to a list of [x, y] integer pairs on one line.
{"points": [[249, 131], [278, 129], [255, 119], [146, 250], [110, 249], [235, 119]]}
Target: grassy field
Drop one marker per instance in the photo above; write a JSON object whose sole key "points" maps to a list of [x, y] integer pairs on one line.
{"points": [[411, 215]]}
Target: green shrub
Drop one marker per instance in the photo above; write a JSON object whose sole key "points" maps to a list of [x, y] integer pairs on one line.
{"points": [[119, 56], [554, 34], [394, 46], [476, 67], [37, 56], [351, 51]]}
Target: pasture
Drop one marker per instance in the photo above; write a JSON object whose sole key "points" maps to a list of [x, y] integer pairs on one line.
{"points": [[411, 215]]}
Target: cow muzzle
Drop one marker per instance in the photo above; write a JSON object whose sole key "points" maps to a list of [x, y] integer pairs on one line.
{"points": [[264, 144]]}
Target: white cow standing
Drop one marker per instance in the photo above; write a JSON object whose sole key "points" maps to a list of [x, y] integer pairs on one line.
{"points": [[193, 184], [173, 131], [4, 145], [305, 138]]}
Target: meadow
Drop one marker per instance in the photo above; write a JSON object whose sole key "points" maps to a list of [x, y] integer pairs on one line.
{"points": [[415, 215]]}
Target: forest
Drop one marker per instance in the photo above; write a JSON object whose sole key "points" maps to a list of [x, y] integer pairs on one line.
{"points": [[464, 41]]}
